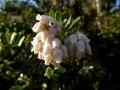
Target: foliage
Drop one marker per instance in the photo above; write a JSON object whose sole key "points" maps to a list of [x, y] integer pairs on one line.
{"points": [[21, 70]]}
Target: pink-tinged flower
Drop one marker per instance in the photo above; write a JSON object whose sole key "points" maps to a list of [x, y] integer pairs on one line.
{"points": [[65, 51], [83, 37], [56, 43], [36, 45], [44, 19], [38, 27], [88, 49], [47, 49], [38, 36], [44, 35], [57, 55], [48, 59], [73, 38]]}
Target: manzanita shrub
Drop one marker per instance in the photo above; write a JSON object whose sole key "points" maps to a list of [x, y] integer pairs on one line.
{"points": [[54, 50]]}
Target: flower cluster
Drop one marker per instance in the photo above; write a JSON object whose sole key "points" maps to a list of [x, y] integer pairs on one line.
{"points": [[51, 49], [78, 45]]}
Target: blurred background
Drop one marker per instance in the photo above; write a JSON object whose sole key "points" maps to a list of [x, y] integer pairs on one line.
{"points": [[20, 69]]}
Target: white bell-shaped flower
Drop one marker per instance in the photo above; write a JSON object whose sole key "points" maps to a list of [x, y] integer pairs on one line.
{"points": [[47, 49], [80, 45], [65, 51], [44, 19], [83, 37], [56, 43], [38, 27], [38, 36], [57, 55], [80, 49], [48, 59], [40, 55], [88, 49], [44, 35], [73, 38], [71, 50], [36, 45], [38, 17]]}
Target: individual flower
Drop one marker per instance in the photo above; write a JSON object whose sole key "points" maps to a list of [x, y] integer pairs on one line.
{"points": [[44, 19], [80, 49], [47, 49], [48, 59], [57, 55], [38, 36], [83, 37], [65, 51], [44, 35], [36, 45], [71, 50], [38, 27], [40, 55], [56, 43], [73, 38]]}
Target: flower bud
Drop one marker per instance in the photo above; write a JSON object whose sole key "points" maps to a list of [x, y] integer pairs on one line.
{"points": [[36, 45]]}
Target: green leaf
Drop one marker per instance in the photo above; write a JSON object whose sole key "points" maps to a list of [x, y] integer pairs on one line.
{"points": [[68, 21], [7, 36], [48, 72], [61, 70], [51, 13], [12, 38], [21, 41], [3, 39], [74, 22]]}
